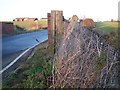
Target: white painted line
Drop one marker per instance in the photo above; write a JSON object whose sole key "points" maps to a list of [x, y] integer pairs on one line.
{"points": [[9, 65]]}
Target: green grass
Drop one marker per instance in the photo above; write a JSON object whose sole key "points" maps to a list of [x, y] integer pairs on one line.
{"points": [[111, 32], [34, 72], [19, 30], [100, 62], [107, 26]]}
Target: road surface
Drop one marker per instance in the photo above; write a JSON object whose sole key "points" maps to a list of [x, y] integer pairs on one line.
{"points": [[12, 46]]}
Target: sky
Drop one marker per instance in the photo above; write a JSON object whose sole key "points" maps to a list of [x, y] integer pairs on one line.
{"points": [[96, 9]]}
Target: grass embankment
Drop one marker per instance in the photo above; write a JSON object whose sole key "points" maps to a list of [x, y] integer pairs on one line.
{"points": [[29, 26], [111, 32], [34, 72]]}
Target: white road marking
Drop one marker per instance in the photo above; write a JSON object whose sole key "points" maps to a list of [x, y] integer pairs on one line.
{"points": [[9, 65]]}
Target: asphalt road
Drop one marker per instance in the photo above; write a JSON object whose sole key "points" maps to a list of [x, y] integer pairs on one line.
{"points": [[12, 46]]}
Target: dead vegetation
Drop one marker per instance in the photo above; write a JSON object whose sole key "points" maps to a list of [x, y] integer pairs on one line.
{"points": [[84, 60]]}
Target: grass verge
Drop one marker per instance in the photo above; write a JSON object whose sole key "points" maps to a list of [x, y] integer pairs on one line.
{"points": [[34, 72]]}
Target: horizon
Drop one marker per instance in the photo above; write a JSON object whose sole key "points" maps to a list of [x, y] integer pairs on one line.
{"points": [[98, 10]]}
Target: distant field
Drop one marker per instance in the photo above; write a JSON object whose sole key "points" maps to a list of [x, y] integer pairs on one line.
{"points": [[42, 23], [32, 25], [111, 32], [107, 26], [23, 24]]}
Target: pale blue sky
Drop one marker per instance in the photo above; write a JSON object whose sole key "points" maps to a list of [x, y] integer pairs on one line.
{"points": [[96, 9]]}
